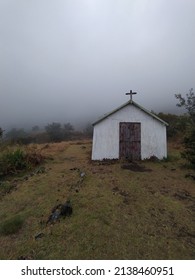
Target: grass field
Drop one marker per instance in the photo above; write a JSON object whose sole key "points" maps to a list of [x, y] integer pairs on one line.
{"points": [[120, 210]]}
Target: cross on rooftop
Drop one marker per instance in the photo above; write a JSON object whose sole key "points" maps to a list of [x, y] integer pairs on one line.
{"points": [[131, 93]]}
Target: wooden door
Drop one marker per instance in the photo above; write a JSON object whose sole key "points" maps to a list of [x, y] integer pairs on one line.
{"points": [[130, 140]]}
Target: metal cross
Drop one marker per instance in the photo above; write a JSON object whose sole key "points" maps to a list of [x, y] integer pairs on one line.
{"points": [[131, 93]]}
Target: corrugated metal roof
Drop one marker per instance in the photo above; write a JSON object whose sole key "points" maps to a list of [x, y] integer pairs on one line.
{"points": [[130, 102]]}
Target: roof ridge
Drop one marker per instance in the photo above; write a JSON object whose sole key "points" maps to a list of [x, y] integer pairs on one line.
{"points": [[128, 103]]}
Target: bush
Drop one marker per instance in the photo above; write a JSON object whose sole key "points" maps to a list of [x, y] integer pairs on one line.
{"points": [[15, 159], [11, 225], [178, 125], [188, 103], [189, 145], [55, 132], [33, 158], [14, 134], [13, 162], [58, 133]]}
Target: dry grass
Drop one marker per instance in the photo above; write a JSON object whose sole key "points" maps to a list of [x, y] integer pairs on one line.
{"points": [[117, 213]]}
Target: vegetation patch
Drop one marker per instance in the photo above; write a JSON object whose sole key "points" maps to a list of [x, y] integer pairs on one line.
{"points": [[11, 225], [15, 161], [6, 187]]}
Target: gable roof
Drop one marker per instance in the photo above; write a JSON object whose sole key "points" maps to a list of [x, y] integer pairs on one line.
{"points": [[130, 102]]}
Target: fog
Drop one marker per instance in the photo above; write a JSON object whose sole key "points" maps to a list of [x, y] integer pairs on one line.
{"points": [[73, 60]]}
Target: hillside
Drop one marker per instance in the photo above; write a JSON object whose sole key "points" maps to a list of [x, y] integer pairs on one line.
{"points": [[121, 210]]}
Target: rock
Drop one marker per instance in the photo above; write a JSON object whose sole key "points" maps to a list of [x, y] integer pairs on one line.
{"points": [[39, 235], [74, 168], [59, 211], [66, 209], [190, 176], [82, 174], [54, 217], [25, 258], [115, 190]]}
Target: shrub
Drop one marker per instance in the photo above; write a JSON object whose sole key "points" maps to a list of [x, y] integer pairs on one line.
{"points": [[13, 162], [11, 225], [55, 132], [188, 103], [34, 159], [189, 144], [15, 159]]}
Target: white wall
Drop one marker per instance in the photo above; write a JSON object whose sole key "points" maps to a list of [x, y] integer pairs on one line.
{"points": [[106, 134]]}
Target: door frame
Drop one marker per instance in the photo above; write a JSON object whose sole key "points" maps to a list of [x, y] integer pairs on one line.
{"points": [[129, 142]]}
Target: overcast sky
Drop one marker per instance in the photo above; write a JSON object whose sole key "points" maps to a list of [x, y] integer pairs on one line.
{"points": [[64, 60]]}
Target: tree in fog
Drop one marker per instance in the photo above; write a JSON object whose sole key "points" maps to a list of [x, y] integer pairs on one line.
{"points": [[188, 102], [55, 132], [88, 131], [1, 132], [178, 125], [67, 131], [35, 128], [14, 134]]}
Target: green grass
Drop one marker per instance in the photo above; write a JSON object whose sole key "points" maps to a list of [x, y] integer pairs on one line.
{"points": [[14, 161], [117, 213], [11, 225], [5, 187]]}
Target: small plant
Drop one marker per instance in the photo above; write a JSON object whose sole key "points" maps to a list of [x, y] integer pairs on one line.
{"points": [[12, 161], [16, 159], [11, 226]]}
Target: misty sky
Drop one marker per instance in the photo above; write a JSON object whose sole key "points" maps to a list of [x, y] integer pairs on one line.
{"points": [[67, 60]]}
